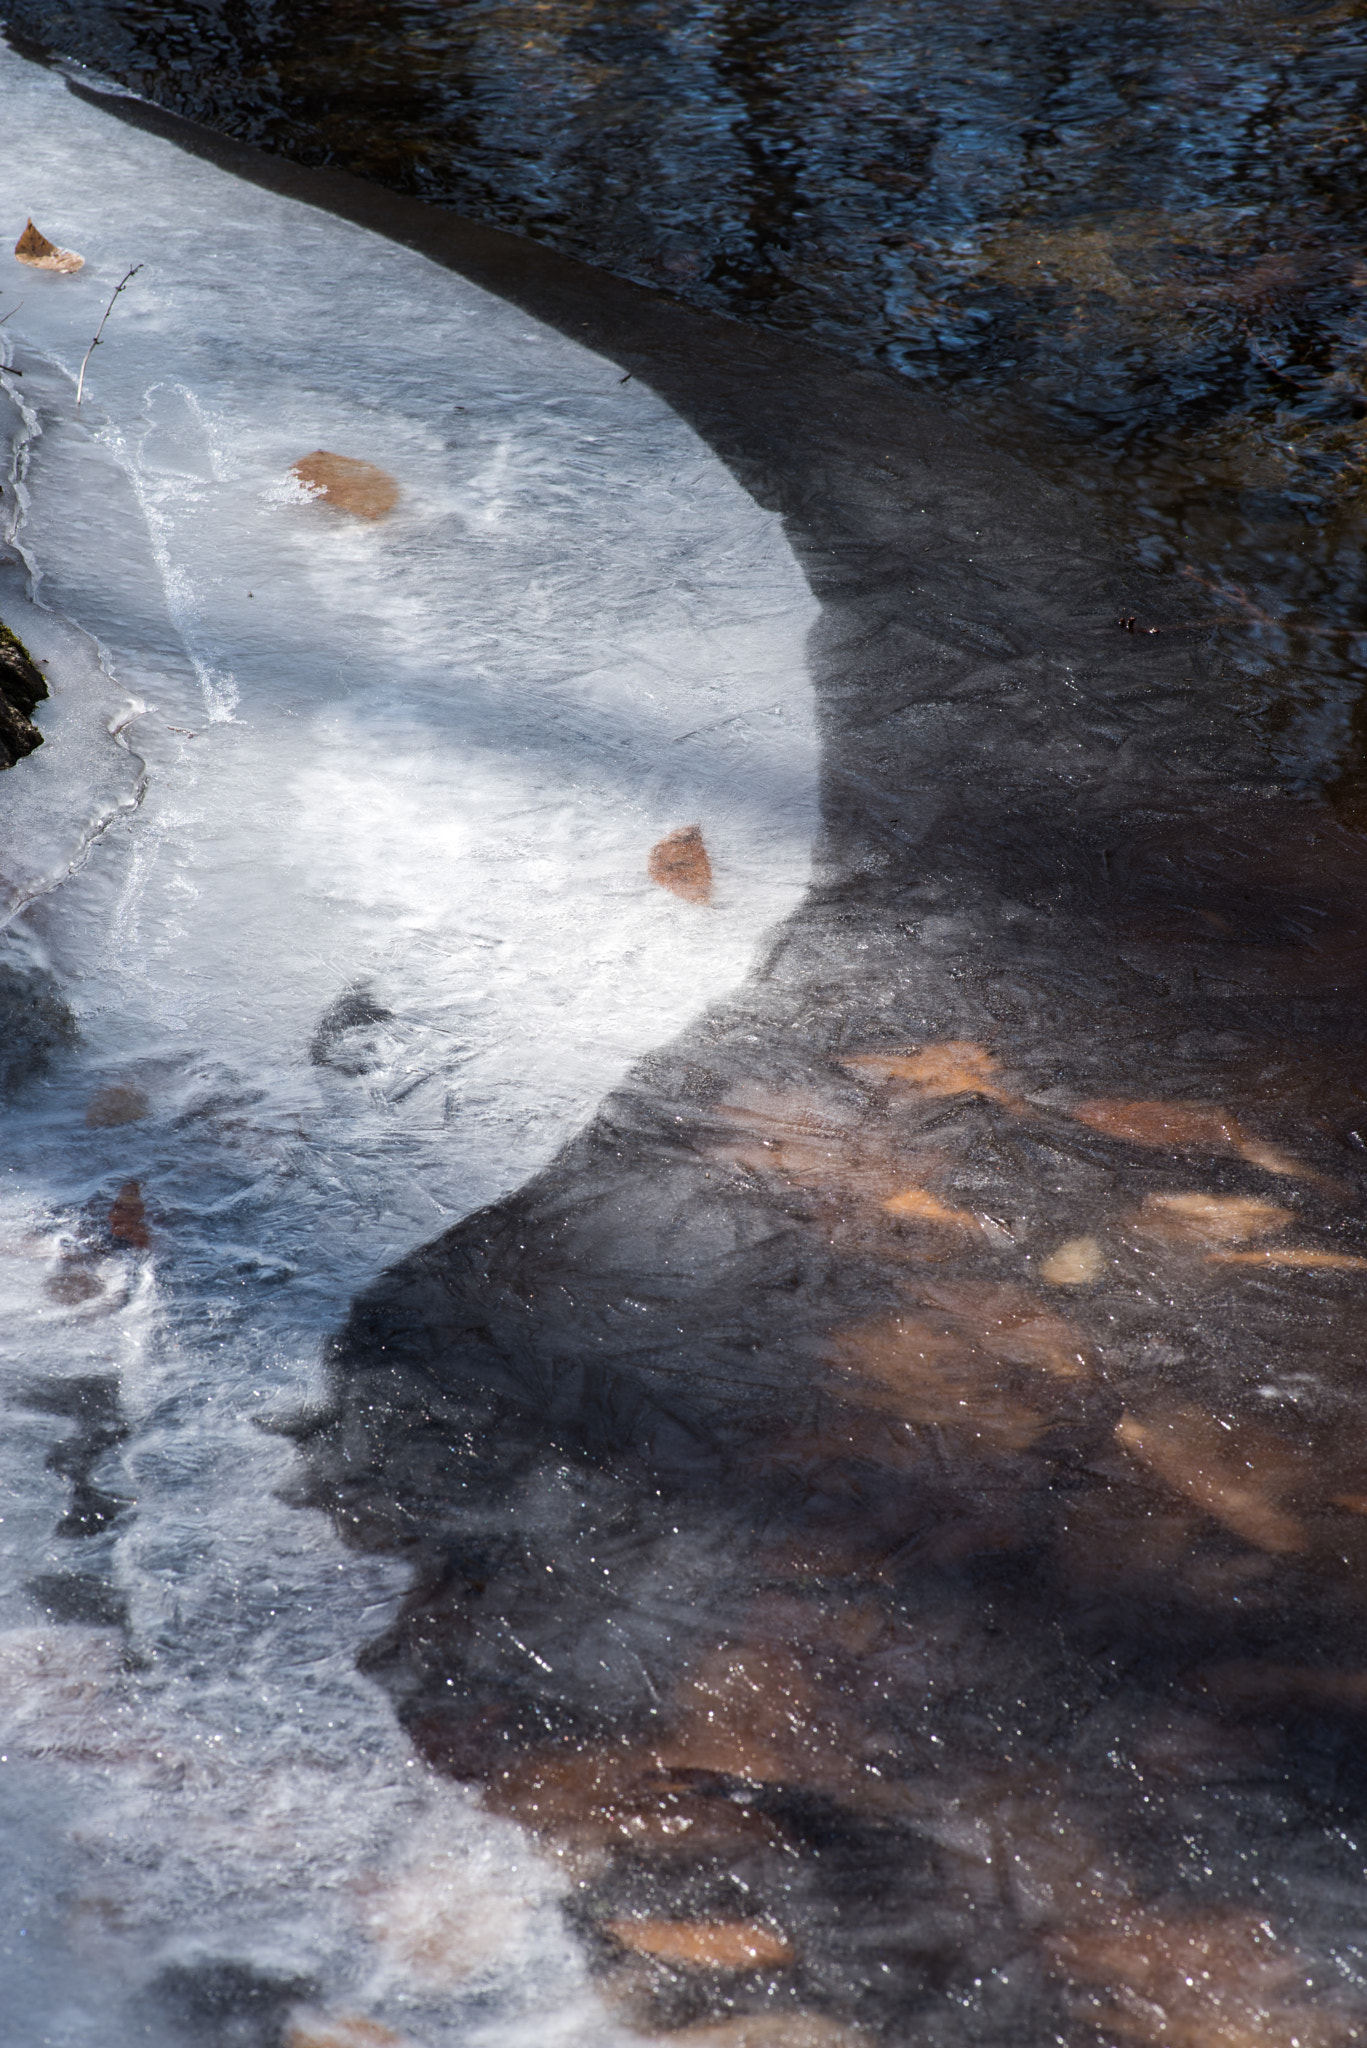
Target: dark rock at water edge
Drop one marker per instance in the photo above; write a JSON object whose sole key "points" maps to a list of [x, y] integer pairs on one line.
{"points": [[22, 690]]}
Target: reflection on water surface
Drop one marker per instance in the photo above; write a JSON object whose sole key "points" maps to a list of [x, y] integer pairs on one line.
{"points": [[1128, 236]]}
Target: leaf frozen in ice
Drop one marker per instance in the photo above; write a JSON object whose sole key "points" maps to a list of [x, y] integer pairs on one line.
{"points": [[347, 484], [128, 1217], [35, 249], [957, 1067], [705, 1944], [1242, 1478], [679, 862], [117, 1104]]}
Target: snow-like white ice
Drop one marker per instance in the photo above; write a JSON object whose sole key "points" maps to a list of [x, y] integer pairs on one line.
{"points": [[355, 820]]}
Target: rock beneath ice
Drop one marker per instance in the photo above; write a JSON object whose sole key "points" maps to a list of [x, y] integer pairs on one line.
{"points": [[35, 1023]]}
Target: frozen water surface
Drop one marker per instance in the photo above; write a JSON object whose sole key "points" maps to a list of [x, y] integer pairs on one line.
{"points": [[357, 930]]}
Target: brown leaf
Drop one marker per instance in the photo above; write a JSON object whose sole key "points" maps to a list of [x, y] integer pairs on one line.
{"points": [[40, 254], [346, 484], [128, 1217], [616, 1796], [679, 862], [1218, 1979], [957, 1067], [1077, 1262], [1181, 1127], [769, 2030], [116, 1105], [1304, 1256], [339, 2030], [932, 1377], [1210, 1219], [1237, 1476], [705, 1944], [918, 1205]]}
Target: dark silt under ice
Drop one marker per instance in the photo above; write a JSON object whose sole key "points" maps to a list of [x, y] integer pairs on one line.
{"points": [[888, 1503]]}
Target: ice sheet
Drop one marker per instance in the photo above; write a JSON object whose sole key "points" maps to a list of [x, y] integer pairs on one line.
{"points": [[358, 930]]}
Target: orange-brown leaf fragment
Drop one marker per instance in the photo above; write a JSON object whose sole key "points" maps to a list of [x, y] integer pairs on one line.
{"points": [[128, 1217], [1239, 1477], [918, 1205], [705, 1944], [339, 2030], [346, 484], [958, 1067], [1166, 1126], [1181, 1127], [1216, 1979], [770, 2030], [1077, 1262], [679, 862], [931, 1377], [1304, 1256], [615, 1796], [1199, 1219], [40, 254]]}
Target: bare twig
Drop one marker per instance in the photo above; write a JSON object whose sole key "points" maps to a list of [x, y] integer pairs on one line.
{"points": [[123, 286], [11, 313]]}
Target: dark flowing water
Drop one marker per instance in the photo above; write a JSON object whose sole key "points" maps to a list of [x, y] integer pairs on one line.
{"points": [[888, 1503], [1128, 239]]}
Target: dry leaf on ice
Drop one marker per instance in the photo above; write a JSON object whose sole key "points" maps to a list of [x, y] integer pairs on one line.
{"points": [[40, 254], [346, 484], [679, 862]]}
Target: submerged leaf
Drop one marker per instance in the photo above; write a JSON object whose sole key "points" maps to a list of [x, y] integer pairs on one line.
{"points": [[1182, 1127], [918, 1205], [1193, 1979], [957, 1067], [1303, 1256], [705, 1944], [1077, 1262], [128, 1217], [118, 1104], [340, 2030], [1240, 1478], [1199, 1219]]}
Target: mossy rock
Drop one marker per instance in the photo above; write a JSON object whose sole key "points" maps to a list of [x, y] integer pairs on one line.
{"points": [[22, 690]]}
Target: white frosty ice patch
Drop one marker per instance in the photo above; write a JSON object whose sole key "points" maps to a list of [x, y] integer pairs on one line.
{"points": [[376, 938]]}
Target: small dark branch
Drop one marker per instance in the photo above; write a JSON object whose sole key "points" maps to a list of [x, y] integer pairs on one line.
{"points": [[122, 286]]}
